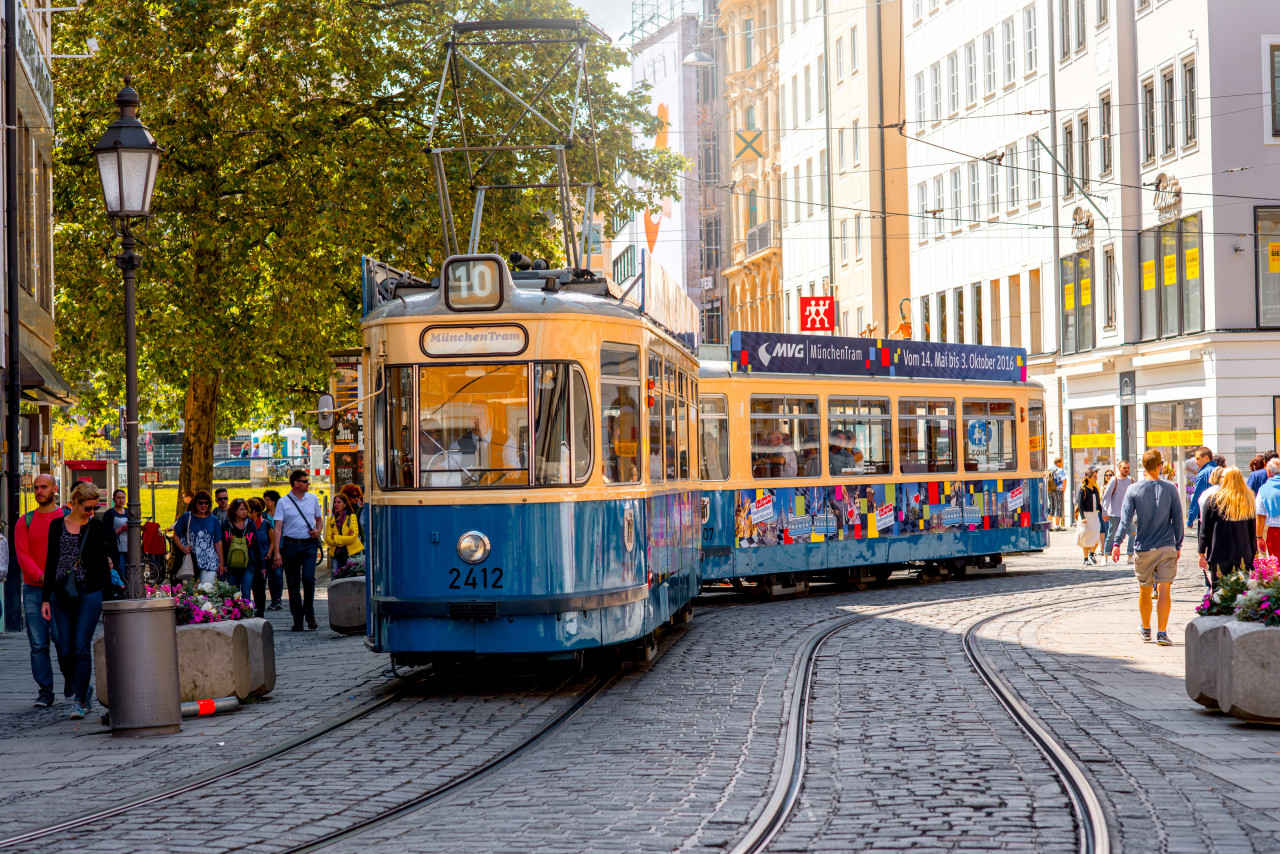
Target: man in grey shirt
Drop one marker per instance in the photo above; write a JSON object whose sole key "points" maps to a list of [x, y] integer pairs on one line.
{"points": [[1113, 501], [1152, 517]]}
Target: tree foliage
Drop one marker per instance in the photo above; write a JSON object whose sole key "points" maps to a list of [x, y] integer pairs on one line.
{"points": [[295, 134]]}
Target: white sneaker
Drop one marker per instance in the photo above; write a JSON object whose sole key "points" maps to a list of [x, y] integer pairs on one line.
{"points": [[1130, 560]]}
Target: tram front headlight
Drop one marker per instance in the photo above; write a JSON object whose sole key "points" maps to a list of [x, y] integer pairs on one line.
{"points": [[473, 547]]}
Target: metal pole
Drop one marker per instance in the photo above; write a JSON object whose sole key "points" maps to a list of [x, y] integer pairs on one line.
{"points": [[13, 481], [129, 261]]}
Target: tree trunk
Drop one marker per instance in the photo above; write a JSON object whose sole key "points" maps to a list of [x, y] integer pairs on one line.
{"points": [[200, 417]]}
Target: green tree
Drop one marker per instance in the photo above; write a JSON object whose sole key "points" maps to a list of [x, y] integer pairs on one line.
{"points": [[295, 136]]}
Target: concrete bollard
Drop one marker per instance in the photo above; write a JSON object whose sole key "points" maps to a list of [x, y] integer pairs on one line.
{"points": [[1249, 675], [262, 656], [213, 660], [347, 607], [1203, 639]]}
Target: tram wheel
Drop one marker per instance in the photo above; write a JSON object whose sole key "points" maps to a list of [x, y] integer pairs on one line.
{"points": [[765, 588], [684, 616], [737, 585], [957, 571]]}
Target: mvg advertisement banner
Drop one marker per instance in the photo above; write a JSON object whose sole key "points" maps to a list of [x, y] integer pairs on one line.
{"points": [[776, 352]]}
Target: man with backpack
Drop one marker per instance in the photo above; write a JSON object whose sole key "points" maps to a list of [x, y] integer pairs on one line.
{"points": [[1054, 482], [31, 542]]}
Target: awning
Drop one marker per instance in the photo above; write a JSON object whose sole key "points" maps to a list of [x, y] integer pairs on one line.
{"points": [[39, 374]]}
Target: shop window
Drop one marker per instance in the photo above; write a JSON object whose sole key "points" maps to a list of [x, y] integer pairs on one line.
{"points": [[784, 437], [1093, 441], [714, 447], [926, 436], [1267, 229], [620, 412], [1172, 300], [990, 433], [1036, 435], [860, 436], [1176, 429]]}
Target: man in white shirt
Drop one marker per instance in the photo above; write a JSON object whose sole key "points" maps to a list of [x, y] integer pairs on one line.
{"points": [[297, 538]]}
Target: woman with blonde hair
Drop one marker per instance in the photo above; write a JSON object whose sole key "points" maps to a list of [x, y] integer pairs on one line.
{"points": [[77, 571], [1227, 532]]}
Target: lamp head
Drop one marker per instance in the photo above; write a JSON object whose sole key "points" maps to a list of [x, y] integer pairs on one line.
{"points": [[128, 158]]}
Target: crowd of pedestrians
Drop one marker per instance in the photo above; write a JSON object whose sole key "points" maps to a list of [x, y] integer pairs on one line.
{"points": [[71, 560]]}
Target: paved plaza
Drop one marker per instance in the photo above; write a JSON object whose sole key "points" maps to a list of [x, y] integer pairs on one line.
{"points": [[907, 749]]}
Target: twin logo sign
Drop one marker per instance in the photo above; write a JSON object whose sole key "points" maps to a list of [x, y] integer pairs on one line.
{"points": [[817, 314]]}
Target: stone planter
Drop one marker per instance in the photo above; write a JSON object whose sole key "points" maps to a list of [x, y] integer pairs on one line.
{"points": [[347, 609], [1235, 666], [235, 658], [1203, 639]]}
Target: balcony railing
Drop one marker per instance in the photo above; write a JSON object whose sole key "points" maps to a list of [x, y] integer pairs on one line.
{"points": [[763, 236]]}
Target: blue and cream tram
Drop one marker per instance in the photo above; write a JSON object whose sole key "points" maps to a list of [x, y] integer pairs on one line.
{"points": [[845, 458], [533, 487]]}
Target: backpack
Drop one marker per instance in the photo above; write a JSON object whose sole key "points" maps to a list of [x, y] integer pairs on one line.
{"points": [[238, 551]]}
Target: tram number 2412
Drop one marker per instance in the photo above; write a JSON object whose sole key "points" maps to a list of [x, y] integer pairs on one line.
{"points": [[476, 579]]}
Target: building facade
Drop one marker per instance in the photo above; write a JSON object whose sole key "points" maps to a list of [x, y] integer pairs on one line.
{"points": [[981, 197], [1171, 302], [42, 388], [868, 253], [753, 270]]}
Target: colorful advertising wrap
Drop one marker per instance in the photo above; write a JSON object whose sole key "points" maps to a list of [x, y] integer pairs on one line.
{"points": [[776, 352], [814, 514]]}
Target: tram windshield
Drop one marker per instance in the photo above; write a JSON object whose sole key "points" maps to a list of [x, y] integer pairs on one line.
{"points": [[473, 425]]}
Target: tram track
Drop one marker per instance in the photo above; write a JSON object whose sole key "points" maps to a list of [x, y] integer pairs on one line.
{"points": [[223, 771], [400, 692], [1091, 823]]}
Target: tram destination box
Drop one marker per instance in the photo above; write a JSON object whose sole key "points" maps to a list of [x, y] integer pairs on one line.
{"points": [[784, 353]]}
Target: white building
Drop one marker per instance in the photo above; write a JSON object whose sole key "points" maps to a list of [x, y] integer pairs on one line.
{"points": [[980, 185], [807, 251], [1169, 294]]}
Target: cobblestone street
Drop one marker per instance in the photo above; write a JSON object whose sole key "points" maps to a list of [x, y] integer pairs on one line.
{"points": [[907, 747]]}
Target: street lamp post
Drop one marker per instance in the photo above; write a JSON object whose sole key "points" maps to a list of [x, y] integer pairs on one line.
{"points": [[128, 158], [141, 645]]}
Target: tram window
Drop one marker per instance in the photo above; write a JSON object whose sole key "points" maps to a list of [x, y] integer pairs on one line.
{"points": [[473, 426], [395, 470], [1035, 437], [989, 436], [657, 470], [784, 437], [669, 437], [859, 437], [714, 432], [551, 423], [669, 373], [620, 412], [926, 435], [682, 436], [581, 427]]}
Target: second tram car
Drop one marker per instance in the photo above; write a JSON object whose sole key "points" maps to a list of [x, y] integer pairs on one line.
{"points": [[845, 458], [533, 487]]}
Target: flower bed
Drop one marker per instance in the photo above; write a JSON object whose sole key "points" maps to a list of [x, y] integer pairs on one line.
{"points": [[1232, 654], [1251, 596], [353, 568], [197, 604]]}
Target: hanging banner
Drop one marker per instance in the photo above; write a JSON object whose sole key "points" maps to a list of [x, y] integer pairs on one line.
{"points": [[777, 352]]}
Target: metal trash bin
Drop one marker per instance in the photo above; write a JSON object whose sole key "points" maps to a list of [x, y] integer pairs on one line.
{"points": [[142, 667]]}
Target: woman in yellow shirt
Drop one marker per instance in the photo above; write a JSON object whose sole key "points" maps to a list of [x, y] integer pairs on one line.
{"points": [[342, 532]]}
